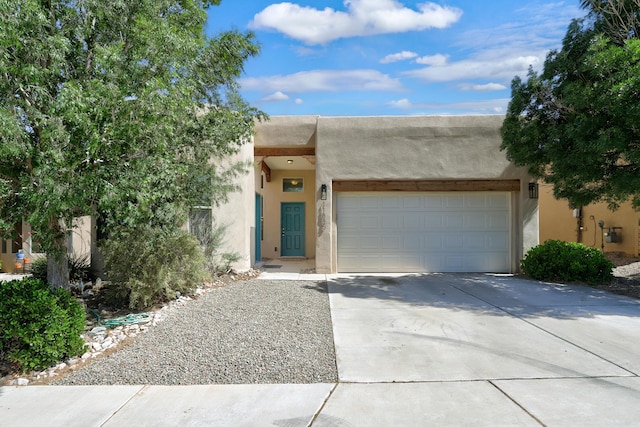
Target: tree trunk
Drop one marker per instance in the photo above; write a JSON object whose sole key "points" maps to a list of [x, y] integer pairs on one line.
{"points": [[58, 265], [58, 271]]}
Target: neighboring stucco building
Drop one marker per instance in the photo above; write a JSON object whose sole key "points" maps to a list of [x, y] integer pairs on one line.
{"points": [[389, 194], [78, 244], [620, 231]]}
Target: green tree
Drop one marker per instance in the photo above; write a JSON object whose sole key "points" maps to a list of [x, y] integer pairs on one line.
{"points": [[576, 125], [118, 108]]}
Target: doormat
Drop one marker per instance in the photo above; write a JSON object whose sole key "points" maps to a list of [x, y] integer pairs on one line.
{"points": [[271, 266]]}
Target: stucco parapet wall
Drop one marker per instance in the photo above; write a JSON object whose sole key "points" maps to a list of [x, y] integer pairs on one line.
{"points": [[420, 147], [286, 131]]}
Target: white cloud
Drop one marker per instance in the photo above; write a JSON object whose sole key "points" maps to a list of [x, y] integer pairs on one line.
{"points": [[276, 97], [437, 59], [402, 104], [323, 81], [491, 106], [490, 67], [396, 57], [502, 51], [299, 101], [361, 18], [488, 87]]}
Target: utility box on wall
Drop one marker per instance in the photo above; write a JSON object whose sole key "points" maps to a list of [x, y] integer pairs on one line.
{"points": [[612, 236]]}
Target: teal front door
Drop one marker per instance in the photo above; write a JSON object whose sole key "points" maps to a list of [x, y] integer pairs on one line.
{"points": [[292, 229]]}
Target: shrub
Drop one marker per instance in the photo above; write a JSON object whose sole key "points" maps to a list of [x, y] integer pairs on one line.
{"points": [[559, 261], [211, 236], [79, 268], [149, 266], [39, 269], [39, 326]]}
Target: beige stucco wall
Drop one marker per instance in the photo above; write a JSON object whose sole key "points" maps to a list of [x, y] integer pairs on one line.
{"points": [[80, 238], [286, 131], [238, 214], [451, 147], [557, 222]]}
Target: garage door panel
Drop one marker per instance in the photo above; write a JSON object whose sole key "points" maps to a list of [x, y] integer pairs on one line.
{"points": [[370, 203], [475, 201], [453, 241], [475, 222], [454, 201], [433, 242], [411, 222], [391, 221], [497, 241], [417, 232], [412, 243], [475, 241], [453, 221], [499, 222], [391, 242], [392, 202], [454, 263], [433, 221], [436, 202]]}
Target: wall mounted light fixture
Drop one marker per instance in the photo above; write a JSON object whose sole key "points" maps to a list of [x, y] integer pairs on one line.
{"points": [[533, 190], [323, 192], [289, 161]]}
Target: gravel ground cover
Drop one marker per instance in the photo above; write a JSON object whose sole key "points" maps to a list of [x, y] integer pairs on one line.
{"points": [[249, 332]]}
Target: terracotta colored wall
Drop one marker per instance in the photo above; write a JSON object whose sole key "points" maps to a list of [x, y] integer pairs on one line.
{"points": [[557, 222]]}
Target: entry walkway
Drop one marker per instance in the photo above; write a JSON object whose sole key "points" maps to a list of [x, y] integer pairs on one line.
{"points": [[439, 349]]}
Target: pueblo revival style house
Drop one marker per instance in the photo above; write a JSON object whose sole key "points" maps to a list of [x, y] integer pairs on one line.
{"points": [[383, 194]]}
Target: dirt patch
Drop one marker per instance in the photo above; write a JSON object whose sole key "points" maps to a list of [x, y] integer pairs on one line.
{"points": [[627, 284]]}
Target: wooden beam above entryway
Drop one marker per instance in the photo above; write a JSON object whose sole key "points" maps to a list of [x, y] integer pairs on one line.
{"points": [[428, 185], [284, 151]]}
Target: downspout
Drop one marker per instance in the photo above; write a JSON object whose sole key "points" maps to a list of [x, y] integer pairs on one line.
{"points": [[577, 214]]}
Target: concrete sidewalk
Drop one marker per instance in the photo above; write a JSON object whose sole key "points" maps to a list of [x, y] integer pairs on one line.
{"points": [[438, 349]]}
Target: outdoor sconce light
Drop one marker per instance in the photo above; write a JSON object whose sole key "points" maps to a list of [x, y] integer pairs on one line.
{"points": [[533, 190], [323, 192]]}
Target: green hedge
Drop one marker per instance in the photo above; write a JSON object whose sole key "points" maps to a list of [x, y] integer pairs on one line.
{"points": [[559, 261], [39, 327]]}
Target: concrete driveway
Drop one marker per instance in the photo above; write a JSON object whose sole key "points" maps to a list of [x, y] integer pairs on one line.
{"points": [[460, 349]]}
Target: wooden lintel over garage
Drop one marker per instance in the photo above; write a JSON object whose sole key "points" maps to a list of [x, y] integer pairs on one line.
{"points": [[284, 151], [428, 185]]}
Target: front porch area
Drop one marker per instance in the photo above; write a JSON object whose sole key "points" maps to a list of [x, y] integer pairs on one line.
{"points": [[289, 269]]}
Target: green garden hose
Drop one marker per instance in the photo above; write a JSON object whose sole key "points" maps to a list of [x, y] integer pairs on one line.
{"points": [[129, 319]]}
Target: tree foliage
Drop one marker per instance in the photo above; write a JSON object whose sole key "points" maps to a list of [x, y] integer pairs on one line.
{"points": [[116, 108], [577, 124]]}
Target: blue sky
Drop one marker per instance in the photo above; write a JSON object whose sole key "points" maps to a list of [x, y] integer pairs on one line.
{"points": [[391, 57]]}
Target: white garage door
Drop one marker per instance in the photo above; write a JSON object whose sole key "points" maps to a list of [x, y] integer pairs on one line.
{"points": [[423, 232]]}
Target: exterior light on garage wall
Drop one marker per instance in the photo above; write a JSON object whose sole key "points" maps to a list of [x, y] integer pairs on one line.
{"points": [[533, 190], [323, 192]]}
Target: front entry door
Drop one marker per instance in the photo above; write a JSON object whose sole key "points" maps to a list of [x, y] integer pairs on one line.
{"points": [[292, 229]]}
